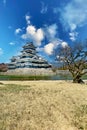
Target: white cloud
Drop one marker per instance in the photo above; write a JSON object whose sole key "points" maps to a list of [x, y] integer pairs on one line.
{"points": [[39, 36], [36, 35], [32, 33], [51, 32], [1, 51], [12, 43], [39, 49], [64, 44], [31, 30], [27, 17], [74, 15], [44, 8], [72, 26], [18, 30], [49, 48], [73, 35]]}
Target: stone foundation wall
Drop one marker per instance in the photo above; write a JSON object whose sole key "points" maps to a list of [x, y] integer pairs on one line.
{"points": [[29, 71]]}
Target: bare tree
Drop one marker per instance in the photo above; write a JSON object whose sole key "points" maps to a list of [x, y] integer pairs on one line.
{"points": [[75, 58]]}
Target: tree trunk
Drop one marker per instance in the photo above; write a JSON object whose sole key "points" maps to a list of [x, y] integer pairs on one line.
{"points": [[77, 79]]}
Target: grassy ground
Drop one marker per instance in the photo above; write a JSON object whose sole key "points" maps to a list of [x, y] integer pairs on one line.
{"points": [[43, 105]]}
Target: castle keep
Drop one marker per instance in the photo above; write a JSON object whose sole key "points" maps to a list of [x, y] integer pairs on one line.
{"points": [[28, 59]]}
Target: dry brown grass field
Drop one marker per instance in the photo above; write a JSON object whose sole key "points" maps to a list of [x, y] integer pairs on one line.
{"points": [[43, 105]]}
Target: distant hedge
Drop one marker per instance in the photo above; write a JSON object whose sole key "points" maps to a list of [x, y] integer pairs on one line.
{"points": [[3, 67]]}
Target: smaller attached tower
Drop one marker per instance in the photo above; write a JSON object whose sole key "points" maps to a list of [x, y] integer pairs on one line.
{"points": [[12, 64]]}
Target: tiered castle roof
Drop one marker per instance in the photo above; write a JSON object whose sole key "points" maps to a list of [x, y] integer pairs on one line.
{"points": [[28, 59]]}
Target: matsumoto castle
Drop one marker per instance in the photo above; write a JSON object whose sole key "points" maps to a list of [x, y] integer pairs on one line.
{"points": [[28, 59]]}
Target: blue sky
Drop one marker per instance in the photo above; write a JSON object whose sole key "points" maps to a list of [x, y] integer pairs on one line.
{"points": [[48, 23]]}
